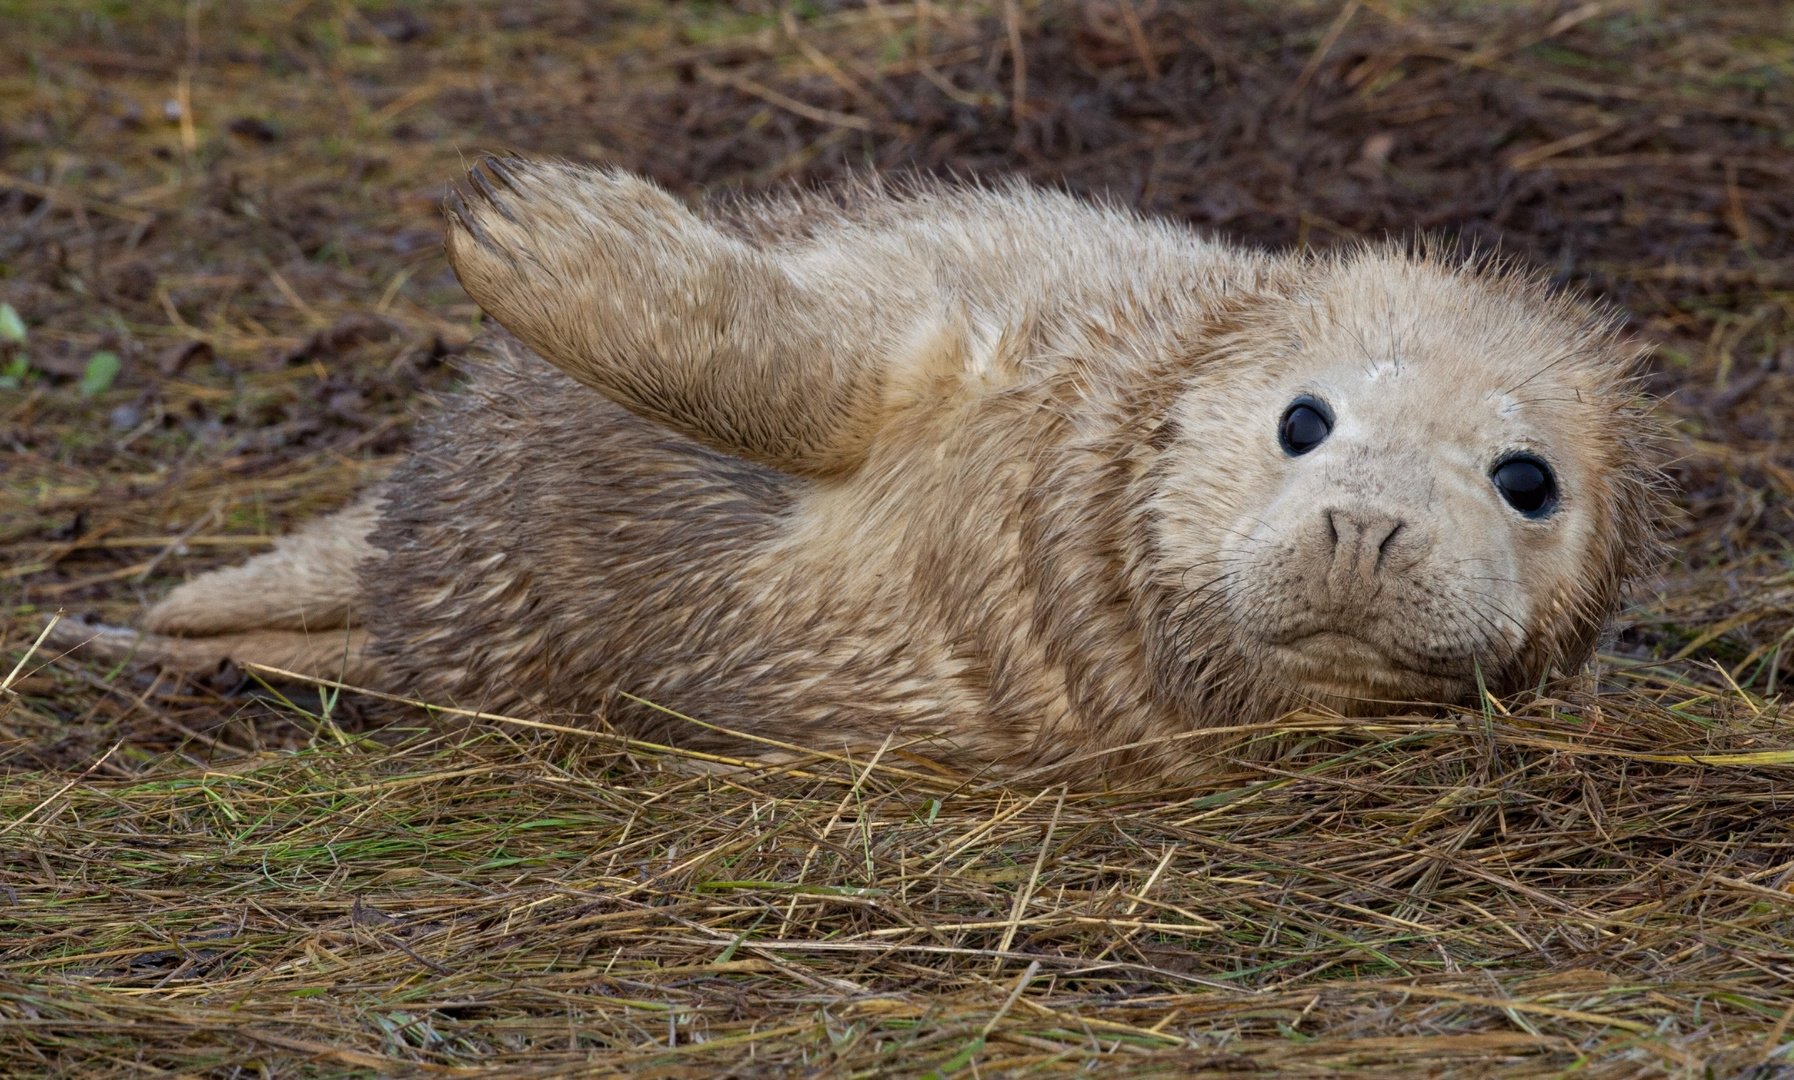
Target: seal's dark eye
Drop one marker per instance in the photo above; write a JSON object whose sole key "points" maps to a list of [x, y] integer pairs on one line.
{"points": [[1527, 485], [1305, 426]]}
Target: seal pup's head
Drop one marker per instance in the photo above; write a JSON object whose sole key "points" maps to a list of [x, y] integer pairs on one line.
{"points": [[1402, 475]]}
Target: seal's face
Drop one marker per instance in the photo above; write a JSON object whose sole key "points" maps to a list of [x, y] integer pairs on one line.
{"points": [[1413, 475]]}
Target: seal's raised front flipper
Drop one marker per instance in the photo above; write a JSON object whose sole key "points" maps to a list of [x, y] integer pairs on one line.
{"points": [[616, 283]]}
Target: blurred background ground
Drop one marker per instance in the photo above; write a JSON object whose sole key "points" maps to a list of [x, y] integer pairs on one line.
{"points": [[219, 233]]}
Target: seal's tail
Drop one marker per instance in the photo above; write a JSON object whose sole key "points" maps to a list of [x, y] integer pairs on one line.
{"points": [[292, 608]]}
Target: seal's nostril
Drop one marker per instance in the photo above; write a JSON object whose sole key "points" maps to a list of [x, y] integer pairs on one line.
{"points": [[1383, 547]]}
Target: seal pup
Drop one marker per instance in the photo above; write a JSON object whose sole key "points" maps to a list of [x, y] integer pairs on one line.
{"points": [[1068, 486]]}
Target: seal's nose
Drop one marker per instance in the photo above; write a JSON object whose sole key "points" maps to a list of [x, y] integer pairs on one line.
{"points": [[1357, 549]]}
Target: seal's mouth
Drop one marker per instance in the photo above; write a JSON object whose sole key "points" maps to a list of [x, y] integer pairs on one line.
{"points": [[1381, 647], [1335, 664]]}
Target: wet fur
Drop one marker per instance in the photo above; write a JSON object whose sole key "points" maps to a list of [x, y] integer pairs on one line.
{"points": [[872, 465]]}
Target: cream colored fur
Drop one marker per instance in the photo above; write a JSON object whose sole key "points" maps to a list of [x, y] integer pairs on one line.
{"points": [[795, 354], [306, 583], [338, 655], [997, 465], [294, 607]]}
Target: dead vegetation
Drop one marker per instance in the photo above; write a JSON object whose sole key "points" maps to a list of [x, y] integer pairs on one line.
{"points": [[237, 204]]}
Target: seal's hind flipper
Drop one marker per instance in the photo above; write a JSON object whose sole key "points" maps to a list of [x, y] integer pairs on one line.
{"points": [[308, 583], [292, 608], [340, 654]]}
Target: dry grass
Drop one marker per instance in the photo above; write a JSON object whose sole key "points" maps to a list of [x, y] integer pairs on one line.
{"points": [[224, 879]]}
